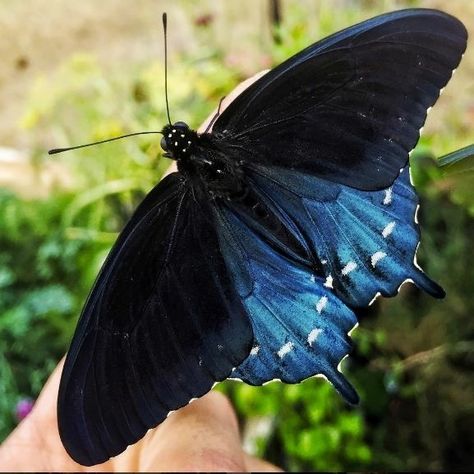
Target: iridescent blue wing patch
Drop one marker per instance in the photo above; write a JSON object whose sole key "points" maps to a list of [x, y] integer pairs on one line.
{"points": [[300, 327], [366, 241]]}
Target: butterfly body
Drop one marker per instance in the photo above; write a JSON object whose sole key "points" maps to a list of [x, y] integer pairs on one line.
{"points": [[250, 261], [202, 162]]}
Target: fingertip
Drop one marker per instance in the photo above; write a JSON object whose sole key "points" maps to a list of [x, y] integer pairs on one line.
{"points": [[202, 436], [230, 97], [216, 405]]}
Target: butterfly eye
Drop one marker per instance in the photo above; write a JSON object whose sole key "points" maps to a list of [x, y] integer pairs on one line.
{"points": [[163, 144], [181, 125]]}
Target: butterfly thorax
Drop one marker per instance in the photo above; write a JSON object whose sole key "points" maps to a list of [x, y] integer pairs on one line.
{"points": [[202, 162]]}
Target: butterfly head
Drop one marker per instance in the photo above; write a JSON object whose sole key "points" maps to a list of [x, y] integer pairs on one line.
{"points": [[177, 140]]}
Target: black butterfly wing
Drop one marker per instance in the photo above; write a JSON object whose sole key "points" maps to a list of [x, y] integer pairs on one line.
{"points": [[349, 108], [162, 324]]}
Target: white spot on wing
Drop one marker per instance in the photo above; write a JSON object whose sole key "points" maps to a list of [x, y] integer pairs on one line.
{"points": [[285, 349], [416, 214], [328, 282], [254, 350], [313, 335], [376, 257], [350, 266], [414, 258], [388, 229], [356, 325], [411, 177], [371, 302], [321, 304], [388, 197]]}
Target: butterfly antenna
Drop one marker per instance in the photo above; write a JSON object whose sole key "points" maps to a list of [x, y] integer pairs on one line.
{"points": [[60, 150], [165, 22]]}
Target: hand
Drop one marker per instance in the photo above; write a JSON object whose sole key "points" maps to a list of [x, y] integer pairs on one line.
{"points": [[203, 436]]}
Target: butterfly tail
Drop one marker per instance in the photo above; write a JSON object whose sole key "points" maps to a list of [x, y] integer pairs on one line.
{"points": [[341, 384], [427, 284]]}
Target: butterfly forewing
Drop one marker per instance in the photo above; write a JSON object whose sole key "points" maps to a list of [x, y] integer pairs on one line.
{"points": [[349, 108], [163, 323]]}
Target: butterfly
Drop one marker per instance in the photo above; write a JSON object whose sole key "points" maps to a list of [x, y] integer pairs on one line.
{"points": [[250, 260]]}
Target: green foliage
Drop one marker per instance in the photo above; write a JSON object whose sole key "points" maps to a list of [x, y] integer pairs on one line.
{"points": [[41, 293], [413, 355], [311, 424], [458, 169]]}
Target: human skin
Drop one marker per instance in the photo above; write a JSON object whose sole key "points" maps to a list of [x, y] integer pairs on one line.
{"points": [[203, 436]]}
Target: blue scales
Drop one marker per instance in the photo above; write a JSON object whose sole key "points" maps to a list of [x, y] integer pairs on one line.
{"points": [[366, 242]]}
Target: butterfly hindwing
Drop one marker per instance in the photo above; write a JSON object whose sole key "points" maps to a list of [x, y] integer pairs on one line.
{"points": [[348, 108], [300, 328], [366, 241], [163, 323]]}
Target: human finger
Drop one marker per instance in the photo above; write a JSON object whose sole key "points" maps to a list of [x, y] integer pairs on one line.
{"points": [[203, 436]]}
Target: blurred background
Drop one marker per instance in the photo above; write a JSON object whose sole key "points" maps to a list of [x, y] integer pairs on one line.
{"points": [[73, 72]]}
